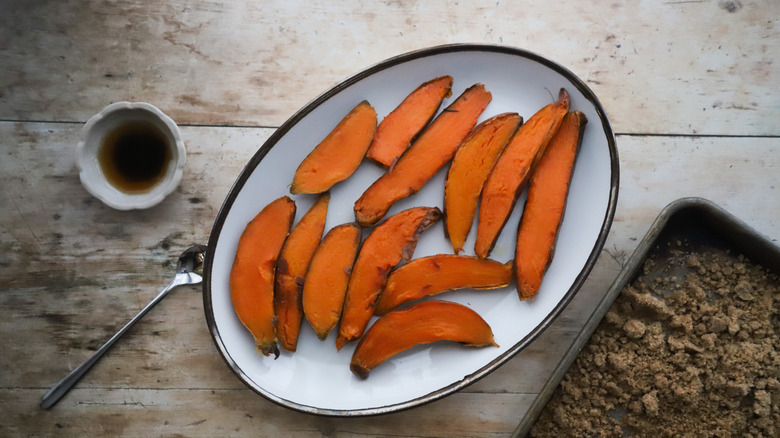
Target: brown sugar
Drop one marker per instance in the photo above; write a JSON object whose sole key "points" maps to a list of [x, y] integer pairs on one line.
{"points": [[688, 349]]}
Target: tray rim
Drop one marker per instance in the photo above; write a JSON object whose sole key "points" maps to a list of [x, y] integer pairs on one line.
{"points": [[767, 251]]}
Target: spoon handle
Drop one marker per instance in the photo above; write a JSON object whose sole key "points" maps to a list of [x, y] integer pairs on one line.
{"points": [[63, 386]]}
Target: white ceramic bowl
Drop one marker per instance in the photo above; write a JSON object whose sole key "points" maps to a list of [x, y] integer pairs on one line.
{"points": [[112, 117]]}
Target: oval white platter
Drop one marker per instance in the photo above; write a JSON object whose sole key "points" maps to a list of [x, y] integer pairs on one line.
{"points": [[316, 379]]}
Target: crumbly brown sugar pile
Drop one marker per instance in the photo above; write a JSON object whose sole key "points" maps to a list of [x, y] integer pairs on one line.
{"points": [[690, 348]]}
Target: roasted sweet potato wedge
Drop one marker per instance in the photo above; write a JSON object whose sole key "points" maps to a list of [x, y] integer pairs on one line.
{"points": [[433, 275], [291, 269], [510, 175], [339, 154], [399, 128], [252, 274], [391, 241], [546, 203], [432, 150], [470, 167], [328, 276], [420, 323]]}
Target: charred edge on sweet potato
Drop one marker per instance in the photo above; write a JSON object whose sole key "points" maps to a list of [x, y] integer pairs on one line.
{"points": [[543, 214], [511, 172], [291, 267], [435, 274], [468, 171], [390, 242], [252, 274], [420, 323], [432, 150]]}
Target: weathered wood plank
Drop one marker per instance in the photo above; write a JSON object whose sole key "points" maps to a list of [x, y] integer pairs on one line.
{"points": [[205, 412], [658, 67], [72, 271]]}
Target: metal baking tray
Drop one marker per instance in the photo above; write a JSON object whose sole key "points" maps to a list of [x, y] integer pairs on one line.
{"points": [[695, 220]]}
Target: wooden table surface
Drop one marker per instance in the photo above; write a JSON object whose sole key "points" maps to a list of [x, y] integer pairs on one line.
{"points": [[690, 88]]}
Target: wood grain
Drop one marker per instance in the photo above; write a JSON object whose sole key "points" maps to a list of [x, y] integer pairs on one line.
{"points": [[658, 67], [689, 86], [74, 270], [209, 413]]}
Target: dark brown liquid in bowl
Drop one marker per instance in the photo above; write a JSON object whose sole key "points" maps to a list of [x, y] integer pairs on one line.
{"points": [[134, 157]]}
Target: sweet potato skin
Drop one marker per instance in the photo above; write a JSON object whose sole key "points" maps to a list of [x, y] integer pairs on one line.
{"points": [[435, 274], [326, 281], [291, 267], [543, 214], [432, 150], [470, 167], [399, 128], [252, 274], [337, 156], [511, 172], [390, 242], [420, 323]]}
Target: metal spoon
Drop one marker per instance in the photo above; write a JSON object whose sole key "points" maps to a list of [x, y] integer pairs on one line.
{"points": [[187, 272]]}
